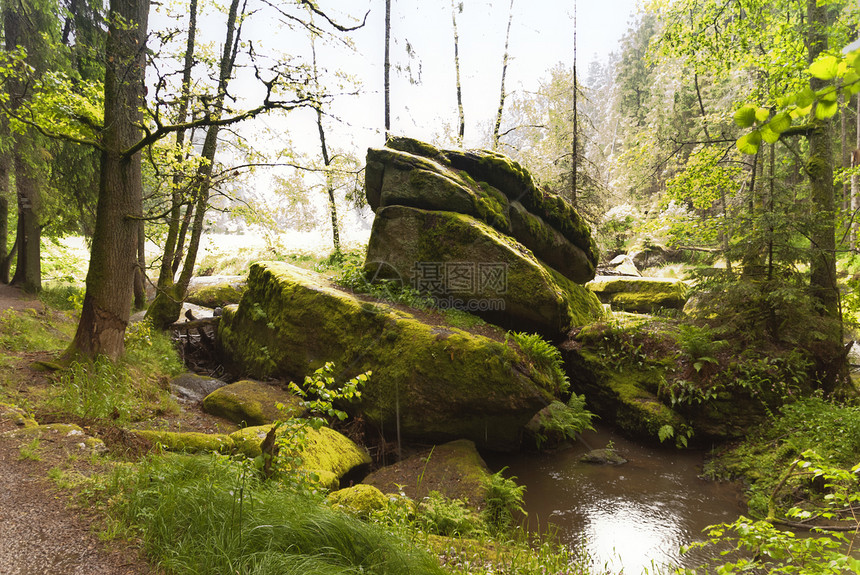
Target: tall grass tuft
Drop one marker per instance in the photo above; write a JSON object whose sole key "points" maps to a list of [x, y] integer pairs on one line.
{"points": [[208, 515]]}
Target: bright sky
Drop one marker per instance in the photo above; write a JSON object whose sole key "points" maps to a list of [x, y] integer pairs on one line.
{"points": [[541, 36]]}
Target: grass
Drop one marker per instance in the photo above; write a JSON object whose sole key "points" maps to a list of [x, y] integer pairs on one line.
{"points": [[210, 515], [29, 330]]}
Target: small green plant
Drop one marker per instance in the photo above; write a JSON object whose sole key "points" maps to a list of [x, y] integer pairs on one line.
{"points": [[320, 394], [30, 451], [564, 420], [544, 357], [440, 515], [462, 319], [682, 436], [504, 500]]}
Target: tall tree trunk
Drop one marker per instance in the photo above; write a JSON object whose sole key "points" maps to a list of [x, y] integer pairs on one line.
{"points": [[461, 117], [855, 183], [18, 31], [167, 305], [574, 152], [140, 270], [387, 69], [5, 192], [174, 242], [498, 125], [820, 170], [107, 302]]}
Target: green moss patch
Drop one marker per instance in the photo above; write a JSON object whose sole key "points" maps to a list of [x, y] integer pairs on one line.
{"points": [[251, 403], [219, 294], [640, 295], [362, 500]]}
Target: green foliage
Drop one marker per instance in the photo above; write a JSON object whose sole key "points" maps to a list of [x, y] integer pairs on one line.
{"points": [[30, 451], [320, 394], [29, 330], [440, 515], [209, 515], [352, 275], [66, 297], [150, 352], [564, 420], [543, 357], [504, 501], [682, 436]]}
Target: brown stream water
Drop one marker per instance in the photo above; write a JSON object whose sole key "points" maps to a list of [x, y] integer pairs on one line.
{"points": [[632, 517]]}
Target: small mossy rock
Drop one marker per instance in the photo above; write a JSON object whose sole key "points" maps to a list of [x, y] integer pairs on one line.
{"points": [[501, 280], [250, 402], [362, 500], [50, 429], [489, 187], [16, 416], [454, 469], [215, 291], [327, 453], [190, 442], [640, 295], [194, 387], [444, 382], [603, 457]]}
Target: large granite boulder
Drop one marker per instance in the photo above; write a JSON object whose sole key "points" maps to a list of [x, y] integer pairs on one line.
{"points": [[439, 382], [486, 272], [250, 402], [493, 196]]}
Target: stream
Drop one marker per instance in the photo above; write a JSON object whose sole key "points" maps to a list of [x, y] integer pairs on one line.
{"points": [[630, 517]]}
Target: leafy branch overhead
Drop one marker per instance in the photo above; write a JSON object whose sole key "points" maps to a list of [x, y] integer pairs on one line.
{"points": [[842, 75]]}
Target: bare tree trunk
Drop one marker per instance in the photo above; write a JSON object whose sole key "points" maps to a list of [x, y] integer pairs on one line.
{"points": [[498, 125], [107, 302], [855, 184], [574, 157], [140, 270], [167, 305], [461, 118], [387, 69], [4, 207]]}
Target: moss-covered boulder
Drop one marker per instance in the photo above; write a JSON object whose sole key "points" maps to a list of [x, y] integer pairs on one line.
{"points": [[640, 294], [330, 455], [15, 417], [467, 264], [215, 291], [628, 398], [189, 441], [455, 469], [251, 402], [489, 187], [442, 383], [362, 500]]}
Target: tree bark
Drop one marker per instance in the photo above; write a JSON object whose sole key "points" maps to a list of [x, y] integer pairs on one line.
{"points": [[498, 125], [461, 117], [820, 169], [140, 269], [107, 302], [855, 184], [387, 69], [5, 192]]}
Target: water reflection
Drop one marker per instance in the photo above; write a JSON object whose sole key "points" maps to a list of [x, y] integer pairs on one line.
{"points": [[632, 517]]}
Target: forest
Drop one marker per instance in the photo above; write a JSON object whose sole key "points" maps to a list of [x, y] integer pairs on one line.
{"points": [[260, 159]]}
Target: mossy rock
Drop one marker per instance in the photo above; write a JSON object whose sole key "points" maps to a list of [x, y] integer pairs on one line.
{"points": [[189, 441], [216, 291], [444, 382], [362, 500], [501, 280], [489, 187], [640, 295], [250, 402], [626, 398], [454, 469], [194, 387], [16, 416], [55, 429], [330, 455]]}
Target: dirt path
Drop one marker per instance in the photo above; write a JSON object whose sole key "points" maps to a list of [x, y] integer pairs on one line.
{"points": [[39, 533]]}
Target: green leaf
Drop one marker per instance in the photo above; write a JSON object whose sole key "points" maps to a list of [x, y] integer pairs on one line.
{"points": [[825, 68], [780, 123], [768, 135], [762, 114], [805, 97], [745, 116], [749, 143], [826, 110]]}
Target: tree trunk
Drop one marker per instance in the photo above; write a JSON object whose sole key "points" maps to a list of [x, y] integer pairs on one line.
{"points": [[387, 69], [820, 169], [19, 32], [461, 117], [107, 302], [855, 184], [498, 125], [140, 270], [167, 305], [5, 183], [574, 152]]}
